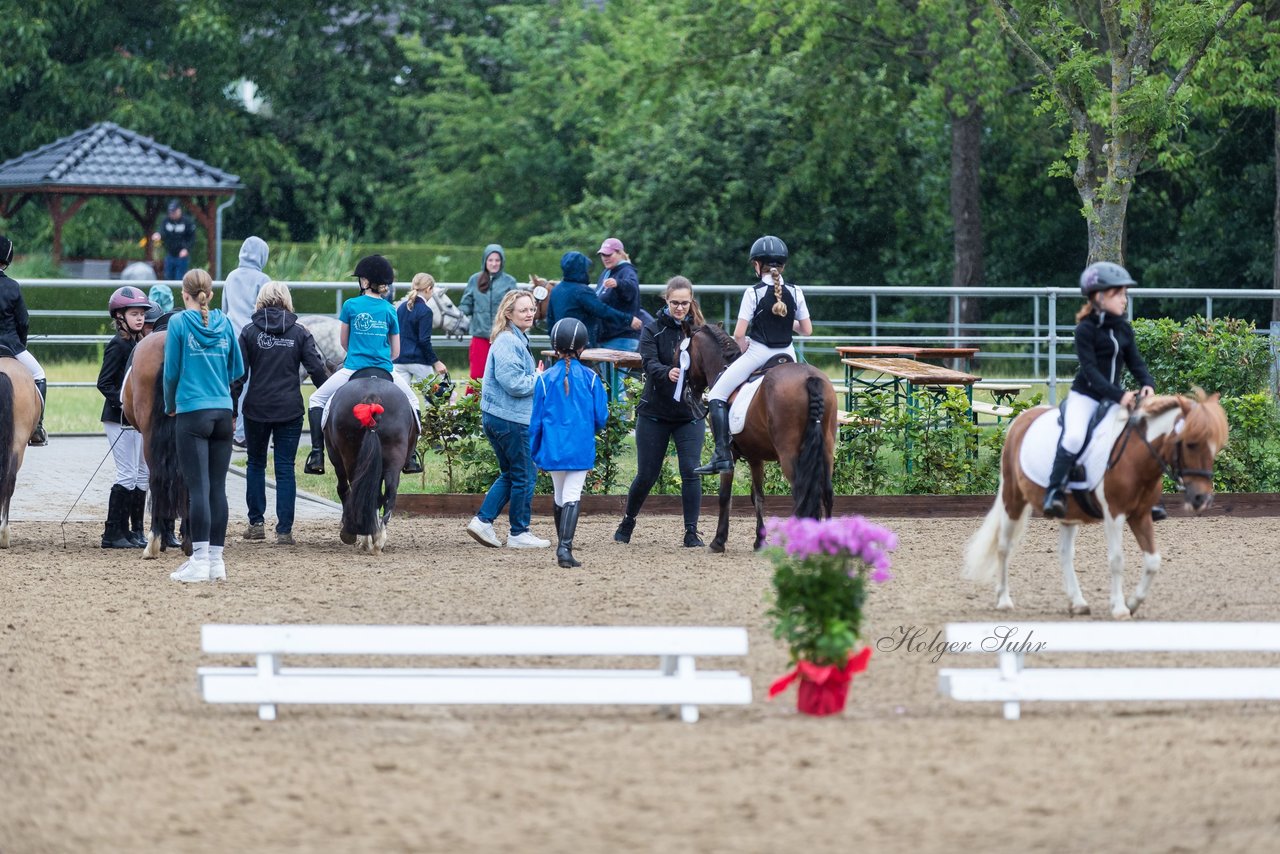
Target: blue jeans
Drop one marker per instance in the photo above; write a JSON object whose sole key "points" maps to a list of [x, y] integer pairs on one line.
{"points": [[175, 267], [612, 375], [510, 442], [286, 435]]}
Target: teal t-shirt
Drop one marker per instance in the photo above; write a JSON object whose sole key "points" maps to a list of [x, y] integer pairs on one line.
{"points": [[370, 321]]}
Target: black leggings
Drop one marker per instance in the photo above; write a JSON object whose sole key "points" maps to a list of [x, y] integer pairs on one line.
{"points": [[204, 452], [652, 439]]}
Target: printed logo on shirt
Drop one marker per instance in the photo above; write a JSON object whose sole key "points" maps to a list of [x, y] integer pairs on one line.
{"points": [[366, 324], [266, 341], [196, 348]]}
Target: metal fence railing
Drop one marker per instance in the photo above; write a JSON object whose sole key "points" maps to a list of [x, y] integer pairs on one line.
{"points": [[843, 314]]}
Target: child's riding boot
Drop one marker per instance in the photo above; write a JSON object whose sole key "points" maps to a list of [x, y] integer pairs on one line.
{"points": [[40, 438], [1055, 495], [568, 524], [115, 535], [1158, 513], [137, 514], [722, 460], [315, 459], [413, 463]]}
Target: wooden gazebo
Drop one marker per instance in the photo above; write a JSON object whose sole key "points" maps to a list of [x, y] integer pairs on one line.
{"points": [[108, 160]]}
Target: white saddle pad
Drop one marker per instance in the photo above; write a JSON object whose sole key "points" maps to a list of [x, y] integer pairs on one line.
{"points": [[1040, 444], [738, 411]]}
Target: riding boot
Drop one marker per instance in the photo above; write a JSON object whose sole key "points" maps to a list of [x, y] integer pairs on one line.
{"points": [[137, 514], [1055, 495], [40, 438], [315, 459], [568, 524], [625, 527], [1158, 513], [556, 511], [412, 463], [691, 538], [722, 460], [115, 534]]}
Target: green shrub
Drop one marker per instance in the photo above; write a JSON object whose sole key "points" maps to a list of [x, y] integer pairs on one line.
{"points": [[1225, 355], [1250, 462]]}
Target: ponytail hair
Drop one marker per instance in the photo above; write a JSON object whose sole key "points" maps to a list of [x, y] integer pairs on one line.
{"points": [[779, 307], [199, 285], [422, 282]]}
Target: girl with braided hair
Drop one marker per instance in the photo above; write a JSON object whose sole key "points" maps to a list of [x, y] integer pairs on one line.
{"points": [[772, 313]]}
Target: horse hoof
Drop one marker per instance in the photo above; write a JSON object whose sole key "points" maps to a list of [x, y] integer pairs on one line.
{"points": [[1004, 604], [347, 537], [717, 547], [1133, 605], [1121, 613], [1078, 610], [152, 551]]}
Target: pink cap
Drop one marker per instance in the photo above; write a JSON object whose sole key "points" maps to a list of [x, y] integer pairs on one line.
{"points": [[610, 246]]}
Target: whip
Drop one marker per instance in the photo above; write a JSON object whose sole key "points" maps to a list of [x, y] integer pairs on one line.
{"points": [[63, 525]]}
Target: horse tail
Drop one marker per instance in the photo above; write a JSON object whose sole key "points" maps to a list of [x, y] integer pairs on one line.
{"points": [[812, 474], [7, 418], [168, 488], [981, 555], [366, 485]]}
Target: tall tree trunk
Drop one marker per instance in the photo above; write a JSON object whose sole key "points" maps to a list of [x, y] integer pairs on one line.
{"points": [[966, 210]]}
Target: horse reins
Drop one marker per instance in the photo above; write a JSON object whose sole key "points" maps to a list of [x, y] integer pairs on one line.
{"points": [[1175, 471]]}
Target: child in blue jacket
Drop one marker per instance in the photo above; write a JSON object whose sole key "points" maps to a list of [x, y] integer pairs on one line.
{"points": [[569, 408]]}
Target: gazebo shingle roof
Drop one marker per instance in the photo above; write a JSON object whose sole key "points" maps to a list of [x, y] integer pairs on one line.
{"points": [[110, 158]]}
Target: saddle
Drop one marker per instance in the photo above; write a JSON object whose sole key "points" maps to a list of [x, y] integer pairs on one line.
{"points": [[372, 373], [6, 353], [1043, 437], [774, 361], [740, 400]]}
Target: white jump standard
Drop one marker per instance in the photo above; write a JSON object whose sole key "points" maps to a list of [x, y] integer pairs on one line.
{"points": [[675, 682]]}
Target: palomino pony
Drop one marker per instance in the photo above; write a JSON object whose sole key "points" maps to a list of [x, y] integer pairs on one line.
{"points": [[142, 399], [1178, 436], [20, 411], [792, 419], [369, 433]]}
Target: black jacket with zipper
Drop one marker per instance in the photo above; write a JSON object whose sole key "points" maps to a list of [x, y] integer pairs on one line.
{"points": [[274, 344], [1105, 347], [115, 361], [659, 353]]}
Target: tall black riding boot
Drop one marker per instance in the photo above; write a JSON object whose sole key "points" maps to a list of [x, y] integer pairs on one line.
{"points": [[1158, 513], [722, 460], [568, 524], [315, 459], [412, 463], [556, 511], [115, 533], [1055, 495], [137, 515], [40, 438]]}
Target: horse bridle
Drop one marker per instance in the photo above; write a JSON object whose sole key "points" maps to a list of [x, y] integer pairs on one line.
{"points": [[1175, 471]]}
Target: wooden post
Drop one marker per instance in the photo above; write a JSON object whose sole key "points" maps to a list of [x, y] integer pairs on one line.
{"points": [[60, 217]]}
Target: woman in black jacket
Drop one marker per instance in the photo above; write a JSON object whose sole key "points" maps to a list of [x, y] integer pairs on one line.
{"points": [[663, 415], [274, 344]]}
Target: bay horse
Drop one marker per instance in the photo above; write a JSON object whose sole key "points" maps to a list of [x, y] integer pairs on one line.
{"points": [[1173, 435], [20, 411], [369, 433], [142, 401], [792, 419]]}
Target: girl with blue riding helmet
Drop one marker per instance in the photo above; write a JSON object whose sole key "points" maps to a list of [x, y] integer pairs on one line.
{"points": [[128, 307], [371, 336], [1104, 347], [14, 326], [772, 313], [569, 408], [201, 360]]}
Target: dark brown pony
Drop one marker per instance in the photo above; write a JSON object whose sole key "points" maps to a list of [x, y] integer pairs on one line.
{"points": [[367, 457], [142, 399], [1178, 436], [792, 420], [20, 412]]}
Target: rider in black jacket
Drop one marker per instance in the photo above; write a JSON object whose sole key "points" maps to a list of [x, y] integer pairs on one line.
{"points": [[14, 321]]}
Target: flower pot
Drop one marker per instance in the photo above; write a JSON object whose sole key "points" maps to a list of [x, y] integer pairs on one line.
{"points": [[824, 689]]}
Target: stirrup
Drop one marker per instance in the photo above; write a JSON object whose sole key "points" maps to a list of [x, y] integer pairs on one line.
{"points": [[39, 438], [716, 465], [1158, 513], [412, 465], [1055, 505]]}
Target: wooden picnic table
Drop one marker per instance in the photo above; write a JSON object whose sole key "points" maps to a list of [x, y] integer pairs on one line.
{"points": [[1003, 393], [613, 359], [895, 352]]}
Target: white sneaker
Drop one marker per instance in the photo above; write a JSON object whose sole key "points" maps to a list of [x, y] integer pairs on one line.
{"points": [[192, 570], [483, 533], [217, 569], [527, 540]]}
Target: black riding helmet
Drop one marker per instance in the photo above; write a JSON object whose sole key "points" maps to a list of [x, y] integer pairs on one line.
{"points": [[569, 335], [6, 251], [769, 250], [376, 269], [153, 314], [1104, 275]]}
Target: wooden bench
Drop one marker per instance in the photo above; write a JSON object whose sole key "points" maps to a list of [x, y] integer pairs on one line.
{"points": [[675, 682], [1011, 682], [995, 410]]}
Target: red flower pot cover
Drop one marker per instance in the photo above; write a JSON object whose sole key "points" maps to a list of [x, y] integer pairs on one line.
{"points": [[823, 688]]}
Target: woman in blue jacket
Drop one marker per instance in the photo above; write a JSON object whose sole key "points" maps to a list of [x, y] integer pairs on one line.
{"points": [[569, 407], [201, 360]]}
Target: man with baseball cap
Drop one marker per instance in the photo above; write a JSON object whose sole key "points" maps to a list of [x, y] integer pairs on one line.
{"points": [[619, 288], [178, 233]]}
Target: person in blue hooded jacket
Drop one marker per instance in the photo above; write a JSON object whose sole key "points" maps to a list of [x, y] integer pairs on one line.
{"points": [[201, 360], [574, 297], [480, 300], [569, 408]]}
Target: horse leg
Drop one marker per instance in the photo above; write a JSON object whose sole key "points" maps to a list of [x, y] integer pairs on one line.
{"points": [[4, 522], [1009, 535], [757, 498], [726, 498], [1144, 532], [1114, 527], [1067, 556]]}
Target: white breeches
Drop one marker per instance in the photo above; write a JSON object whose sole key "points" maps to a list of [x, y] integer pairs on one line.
{"points": [[742, 367], [568, 485], [126, 450], [29, 362], [321, 396], [1075, 421]]}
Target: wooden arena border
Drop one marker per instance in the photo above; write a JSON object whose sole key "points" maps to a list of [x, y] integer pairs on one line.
{"points": [[1243, 504]]}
